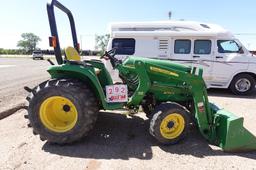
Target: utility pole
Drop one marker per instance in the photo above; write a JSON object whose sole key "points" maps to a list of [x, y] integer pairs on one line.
{"points": [[81, 42], [170, 15]]}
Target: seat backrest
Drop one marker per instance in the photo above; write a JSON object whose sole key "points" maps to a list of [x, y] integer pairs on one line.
{"points": [[72, 54]]}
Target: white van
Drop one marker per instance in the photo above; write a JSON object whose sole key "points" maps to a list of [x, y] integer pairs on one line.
{"points": [[37, 54], [225, 61]]}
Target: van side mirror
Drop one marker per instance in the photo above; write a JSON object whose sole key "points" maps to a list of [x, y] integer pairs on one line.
{"points": [[241, 51]]}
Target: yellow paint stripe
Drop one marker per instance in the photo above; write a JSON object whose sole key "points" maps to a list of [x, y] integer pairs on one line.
{"points": [[160, 70]]}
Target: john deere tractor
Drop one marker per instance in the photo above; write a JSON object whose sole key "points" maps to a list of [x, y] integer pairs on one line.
{"points": [[65, 108]]}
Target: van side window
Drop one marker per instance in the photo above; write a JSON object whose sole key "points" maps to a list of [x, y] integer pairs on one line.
{"points": [[124, 46], [228, 46], [182, 46], [202, 47]]}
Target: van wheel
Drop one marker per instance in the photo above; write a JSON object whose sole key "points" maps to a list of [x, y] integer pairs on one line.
{"points": [[242, 84]]}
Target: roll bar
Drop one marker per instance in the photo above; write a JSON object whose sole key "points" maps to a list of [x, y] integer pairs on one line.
{"points": [[54, 39]]}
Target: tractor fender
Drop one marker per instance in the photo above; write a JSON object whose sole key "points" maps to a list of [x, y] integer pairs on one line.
{"points": [[85, 74]]}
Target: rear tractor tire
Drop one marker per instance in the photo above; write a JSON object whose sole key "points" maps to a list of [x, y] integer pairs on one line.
{"points": [[169, 124], [62, 111]]}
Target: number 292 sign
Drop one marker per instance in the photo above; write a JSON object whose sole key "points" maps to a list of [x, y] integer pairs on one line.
{"points": [[116, 93]]}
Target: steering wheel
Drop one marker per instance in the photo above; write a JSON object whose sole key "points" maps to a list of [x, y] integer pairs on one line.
{"points": [[110, 55]]}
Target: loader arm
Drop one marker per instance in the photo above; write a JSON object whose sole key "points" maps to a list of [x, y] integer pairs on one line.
{"points": [[195, 84], [192, 81], [218, 126]]}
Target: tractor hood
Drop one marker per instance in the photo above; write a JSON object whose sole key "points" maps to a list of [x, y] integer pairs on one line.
{"points": [[129, 61]]}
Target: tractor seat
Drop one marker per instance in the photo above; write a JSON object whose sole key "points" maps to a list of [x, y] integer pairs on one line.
{"points": [[72, 55]]}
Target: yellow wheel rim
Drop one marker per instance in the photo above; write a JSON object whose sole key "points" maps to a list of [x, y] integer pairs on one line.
{"points": [[58, 114], [172, 126]]}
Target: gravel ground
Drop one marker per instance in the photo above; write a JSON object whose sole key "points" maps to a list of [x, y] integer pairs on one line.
{"points": [[121, 142]]}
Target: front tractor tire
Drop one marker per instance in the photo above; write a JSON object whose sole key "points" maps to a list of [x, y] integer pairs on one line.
{"points": [[62, 111], [169, 124]]}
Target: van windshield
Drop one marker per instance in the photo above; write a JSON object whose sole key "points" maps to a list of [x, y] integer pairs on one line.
{"points": [[37, 52], [228, 46]]}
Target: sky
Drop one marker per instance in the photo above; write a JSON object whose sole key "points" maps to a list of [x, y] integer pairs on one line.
{"points": [[93, 17]]}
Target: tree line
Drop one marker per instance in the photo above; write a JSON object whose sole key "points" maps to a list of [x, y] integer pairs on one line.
{"points": [[29, 42], [26, 45]]}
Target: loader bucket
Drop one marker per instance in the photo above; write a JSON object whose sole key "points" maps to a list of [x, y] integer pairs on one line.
{"points": [[230, 133]]}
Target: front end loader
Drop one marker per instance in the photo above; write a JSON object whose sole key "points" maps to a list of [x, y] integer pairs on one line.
{"points": [[64, 109]]}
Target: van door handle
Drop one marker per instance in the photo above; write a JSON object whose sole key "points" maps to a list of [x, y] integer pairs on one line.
{"points": [[196, 56], [219, 57]]}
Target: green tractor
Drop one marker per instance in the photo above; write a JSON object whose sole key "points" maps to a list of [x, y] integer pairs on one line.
{"points": [[64, 109]]}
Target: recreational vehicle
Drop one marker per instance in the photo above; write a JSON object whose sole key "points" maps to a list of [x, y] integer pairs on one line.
{"points": [[225, 61]]}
